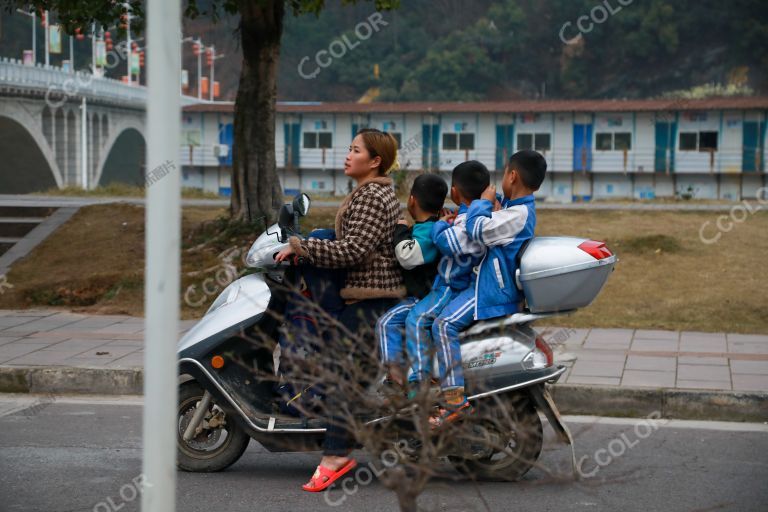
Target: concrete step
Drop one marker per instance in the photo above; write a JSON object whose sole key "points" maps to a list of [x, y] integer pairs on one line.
{"points": [[18, 226], [26, 211], [5, 247], [17, 221]]}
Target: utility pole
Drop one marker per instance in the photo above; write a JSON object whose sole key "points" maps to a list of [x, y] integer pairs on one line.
{"points": [[163, 245]]}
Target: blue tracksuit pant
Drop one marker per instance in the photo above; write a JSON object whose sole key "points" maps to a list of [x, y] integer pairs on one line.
{"points": [[418, 331], [454, 318], [390, 329]]}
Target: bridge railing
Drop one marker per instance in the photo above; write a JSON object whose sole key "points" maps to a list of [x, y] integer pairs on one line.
{"points": [[56, 82]]}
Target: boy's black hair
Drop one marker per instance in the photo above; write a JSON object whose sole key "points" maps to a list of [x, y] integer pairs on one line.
{"points": [[531, 166], [429, 190], [471, 178]]}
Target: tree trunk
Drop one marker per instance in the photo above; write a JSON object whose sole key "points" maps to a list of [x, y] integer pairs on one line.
{"points": [[256, 190]]}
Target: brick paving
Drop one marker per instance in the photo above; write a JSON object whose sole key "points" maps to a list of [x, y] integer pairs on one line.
{"points": [[609, 357]]}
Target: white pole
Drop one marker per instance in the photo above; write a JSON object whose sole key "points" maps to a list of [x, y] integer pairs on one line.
{"points": [[200, 69], [71, 53], [93, 48], [163, 249], [213, 65], [34, 37], [128, 38], [84, 144], [47, 42]]}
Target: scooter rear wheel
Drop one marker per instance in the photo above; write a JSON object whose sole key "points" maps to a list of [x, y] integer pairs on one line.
{"points": [[213, 449], [504, 440]]}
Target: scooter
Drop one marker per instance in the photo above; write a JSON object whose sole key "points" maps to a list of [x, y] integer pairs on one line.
{"points": [[223, 403]]}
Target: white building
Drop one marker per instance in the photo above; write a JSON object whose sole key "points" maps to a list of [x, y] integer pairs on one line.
{"points": [[596, 149]]}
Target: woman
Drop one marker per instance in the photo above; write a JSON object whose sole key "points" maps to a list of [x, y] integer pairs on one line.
{"points": [[365, 226]]}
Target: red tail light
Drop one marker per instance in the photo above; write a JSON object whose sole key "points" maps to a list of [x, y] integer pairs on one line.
{"points": [[596, 249], [542, 345]]}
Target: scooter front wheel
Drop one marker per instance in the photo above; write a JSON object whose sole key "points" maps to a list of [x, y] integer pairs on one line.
{"points": [[218, 445]]}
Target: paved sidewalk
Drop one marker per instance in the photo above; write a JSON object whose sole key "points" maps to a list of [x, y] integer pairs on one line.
{"points": [[606, 357], [59, 201]]}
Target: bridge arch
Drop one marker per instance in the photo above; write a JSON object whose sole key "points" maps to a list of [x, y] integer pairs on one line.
{"points": [[25, 152], [123, 154]]}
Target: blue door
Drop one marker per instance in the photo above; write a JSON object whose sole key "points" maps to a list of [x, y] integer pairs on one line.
{"points": [[582, 147], [753, 146], [664, 158], [226, 136], [430, 139], [505, 134], [292, 136]]}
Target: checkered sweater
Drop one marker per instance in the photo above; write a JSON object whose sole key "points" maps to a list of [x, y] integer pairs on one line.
{"points": [[365, 225]]}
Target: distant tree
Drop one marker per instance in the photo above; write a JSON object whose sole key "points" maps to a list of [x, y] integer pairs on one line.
{"points": [[256, 191]]}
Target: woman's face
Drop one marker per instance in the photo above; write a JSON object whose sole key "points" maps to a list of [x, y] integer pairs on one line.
{"points": [[359, 165]]}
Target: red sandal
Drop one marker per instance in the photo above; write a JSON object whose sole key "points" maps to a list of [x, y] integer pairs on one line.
{"points": [[324, 477]]}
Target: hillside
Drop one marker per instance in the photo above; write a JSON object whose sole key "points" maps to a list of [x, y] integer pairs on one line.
{"points": [[464, 50]]}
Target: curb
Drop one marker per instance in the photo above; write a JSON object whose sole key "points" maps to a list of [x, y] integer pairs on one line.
{"points": [[685, 404], [88, 381]]}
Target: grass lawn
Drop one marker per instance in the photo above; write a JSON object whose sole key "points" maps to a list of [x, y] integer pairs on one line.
{"points": [[666, 277]]}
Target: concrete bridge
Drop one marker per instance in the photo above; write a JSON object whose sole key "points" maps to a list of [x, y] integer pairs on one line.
{"points": [[61, 128]]}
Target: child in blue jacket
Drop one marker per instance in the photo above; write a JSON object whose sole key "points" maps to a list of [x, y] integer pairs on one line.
{"points": [[418, 257], [503, 227], [459, 256]]}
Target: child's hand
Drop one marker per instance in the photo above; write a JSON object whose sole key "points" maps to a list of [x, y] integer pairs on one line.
{"points": [[496, 206], [489, 194], [403, 222], [447, 215]]}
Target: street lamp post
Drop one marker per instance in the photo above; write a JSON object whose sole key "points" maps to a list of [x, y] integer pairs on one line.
{"points": [[200, 50], [181, 57], [214, 58], [32, 14], [47, 41], [128, 40]]}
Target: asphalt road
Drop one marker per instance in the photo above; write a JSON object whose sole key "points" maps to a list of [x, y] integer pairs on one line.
{"points": [[82, 454]]}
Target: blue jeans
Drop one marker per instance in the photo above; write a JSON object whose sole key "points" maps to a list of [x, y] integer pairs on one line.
{"points": [[454, 318], [418, 331]]}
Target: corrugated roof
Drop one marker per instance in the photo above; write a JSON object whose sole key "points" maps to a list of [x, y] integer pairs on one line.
{"points": [[739, 103]]}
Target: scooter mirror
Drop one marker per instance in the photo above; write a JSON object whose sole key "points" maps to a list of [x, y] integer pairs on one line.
{"points": [[301, 204]]}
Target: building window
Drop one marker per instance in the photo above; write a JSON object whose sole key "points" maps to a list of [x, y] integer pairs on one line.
{"points": [[398, 137], [458, 141], [698, 141], [537, 141], [314, 140], [688, 141], [613, 141], [622, 141], [604, 141], [707, 141]]}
